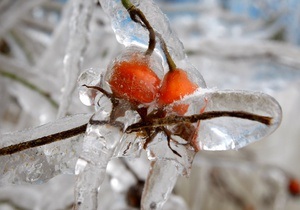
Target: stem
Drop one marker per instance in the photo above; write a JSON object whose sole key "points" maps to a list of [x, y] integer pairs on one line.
{"points": [[175, 119], [170, 61], [9, 150], [127, 4], [30, 86], [136, 12], [133, 11]]}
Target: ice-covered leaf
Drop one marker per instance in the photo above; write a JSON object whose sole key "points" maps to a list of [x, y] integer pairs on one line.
{"points": [[225, 133]]}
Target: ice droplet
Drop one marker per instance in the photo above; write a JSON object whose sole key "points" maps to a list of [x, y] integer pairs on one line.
{"points": [[87, 95]]}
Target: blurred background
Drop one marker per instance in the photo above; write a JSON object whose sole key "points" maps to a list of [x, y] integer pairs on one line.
{"points": [[235, 44]]}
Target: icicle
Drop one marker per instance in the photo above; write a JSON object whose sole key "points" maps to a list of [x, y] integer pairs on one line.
{"points": [[75, 49], [160, 182]]}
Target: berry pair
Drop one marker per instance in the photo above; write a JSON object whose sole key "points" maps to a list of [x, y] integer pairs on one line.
{"points": [[133, 79]]}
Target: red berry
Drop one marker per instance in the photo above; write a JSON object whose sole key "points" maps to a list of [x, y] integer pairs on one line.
{"points": [[134, 80], [175, 85], [294, 187]]}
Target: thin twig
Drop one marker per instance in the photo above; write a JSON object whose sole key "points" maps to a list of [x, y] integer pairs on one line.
{"points": [[175, 119], [136, 12], [9, 150]]}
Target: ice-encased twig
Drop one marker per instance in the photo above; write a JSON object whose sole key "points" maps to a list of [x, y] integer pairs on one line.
{"points": [[77, 44], [44, 162]]}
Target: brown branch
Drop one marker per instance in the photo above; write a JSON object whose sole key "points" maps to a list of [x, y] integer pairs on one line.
{"points": [[9, 150], [175, 119]]}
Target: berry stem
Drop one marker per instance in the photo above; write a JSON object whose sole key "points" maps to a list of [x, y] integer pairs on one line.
{"points": [[170, 61], [135, 12]]}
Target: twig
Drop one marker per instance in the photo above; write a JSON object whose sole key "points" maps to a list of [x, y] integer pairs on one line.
{"points": [[175, 119], [9, 150]]}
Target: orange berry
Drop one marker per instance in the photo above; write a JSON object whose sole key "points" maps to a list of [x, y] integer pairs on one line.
{"points": [[134, 80], [175, 85]]}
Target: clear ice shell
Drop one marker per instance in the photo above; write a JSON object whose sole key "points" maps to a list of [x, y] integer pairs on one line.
{"points": [[128, 53], [131, 144], [226, 133], [100, 145]]}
